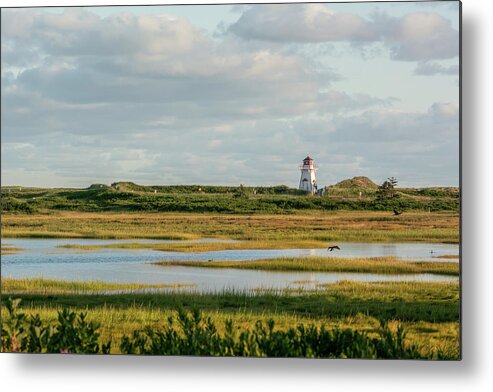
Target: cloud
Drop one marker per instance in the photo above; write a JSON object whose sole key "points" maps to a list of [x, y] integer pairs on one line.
{"points": [[438, 124], [419, 148], [412, 37], [315, 23], [127, 58], [433, 68], [138, 69], [422, 36]]}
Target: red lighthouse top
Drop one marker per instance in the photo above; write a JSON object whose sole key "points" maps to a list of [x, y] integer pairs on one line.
{"points": [[308, 160]]}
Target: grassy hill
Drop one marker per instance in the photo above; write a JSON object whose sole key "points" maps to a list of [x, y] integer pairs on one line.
{"points": [[127, 196], [357, 183]]}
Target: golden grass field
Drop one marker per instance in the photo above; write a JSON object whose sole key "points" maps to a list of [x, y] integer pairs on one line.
{"points": [[312, 227]]}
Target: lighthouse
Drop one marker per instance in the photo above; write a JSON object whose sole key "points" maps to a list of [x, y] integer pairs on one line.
{"points": [[308, 182]]}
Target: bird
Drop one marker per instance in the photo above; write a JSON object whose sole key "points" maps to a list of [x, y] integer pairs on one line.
{"points": [[209, 260], [331, 248], [397, 212]]}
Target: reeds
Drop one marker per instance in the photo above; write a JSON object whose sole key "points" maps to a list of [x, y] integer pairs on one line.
{"points": [[52, 286], [375, 265], [312, 226]]}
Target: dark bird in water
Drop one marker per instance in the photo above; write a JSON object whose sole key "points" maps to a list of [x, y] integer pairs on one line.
{"points": [[397, 212], [331, 248], [209, 260]]}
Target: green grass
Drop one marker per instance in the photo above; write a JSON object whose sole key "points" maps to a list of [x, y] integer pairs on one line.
{"points": [[51, 286], [127, 197], [399, 300], [429, 311], [376, 265]]}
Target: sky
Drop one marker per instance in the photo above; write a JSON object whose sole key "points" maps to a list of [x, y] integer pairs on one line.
{"points": [[230, 94]]}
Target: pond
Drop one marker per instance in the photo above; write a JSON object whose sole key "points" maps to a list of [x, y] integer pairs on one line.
{"points": [[42, 258]]}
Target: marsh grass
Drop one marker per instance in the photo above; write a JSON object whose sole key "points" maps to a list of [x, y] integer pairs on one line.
{"points": [[51, 286], [321, 226], [377, 265], [204, 246], [424, 301], [446, 257], [9, 249], [429, 311]]}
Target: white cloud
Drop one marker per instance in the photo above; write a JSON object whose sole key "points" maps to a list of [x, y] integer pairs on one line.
{"points": [[315, 23], [427, 68], [412, 37], [423, 36]]}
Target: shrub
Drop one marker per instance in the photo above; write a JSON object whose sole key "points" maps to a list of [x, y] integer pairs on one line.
{"points": [[71, 334], [196, 335], [11, 204]]}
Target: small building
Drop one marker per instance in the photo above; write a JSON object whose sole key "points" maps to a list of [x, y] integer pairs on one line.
{"points": [[308, 181]]}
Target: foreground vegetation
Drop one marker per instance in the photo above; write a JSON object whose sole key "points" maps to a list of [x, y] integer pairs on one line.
{"points": [[284, 230], [376, 265], [429, 312], [196, 335], [130, 197]]}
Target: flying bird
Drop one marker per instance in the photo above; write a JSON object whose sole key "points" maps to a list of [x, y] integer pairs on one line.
{"points": [[331, 248], [397, 212]]}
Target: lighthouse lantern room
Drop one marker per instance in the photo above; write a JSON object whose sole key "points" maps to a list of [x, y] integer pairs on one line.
{"points": [[308, 182]]}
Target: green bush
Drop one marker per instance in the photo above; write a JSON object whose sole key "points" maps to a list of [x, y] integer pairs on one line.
{"points": [[11, 204], [71, 334], [198, 336]]}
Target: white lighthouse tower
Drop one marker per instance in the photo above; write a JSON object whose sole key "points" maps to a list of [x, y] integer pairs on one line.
{"points": [[308, 182]]}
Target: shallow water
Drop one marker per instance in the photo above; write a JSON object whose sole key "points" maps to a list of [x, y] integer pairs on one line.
{"points": [[42, 258]]}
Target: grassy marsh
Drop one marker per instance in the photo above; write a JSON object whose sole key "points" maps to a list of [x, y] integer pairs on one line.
{"points": [[377, 265], [311, 226], [9, 249], [429, 311], [204, 246], [51, 286]]}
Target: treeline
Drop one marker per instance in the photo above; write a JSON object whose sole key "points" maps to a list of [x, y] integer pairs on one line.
{"points": [[189, 333]]}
